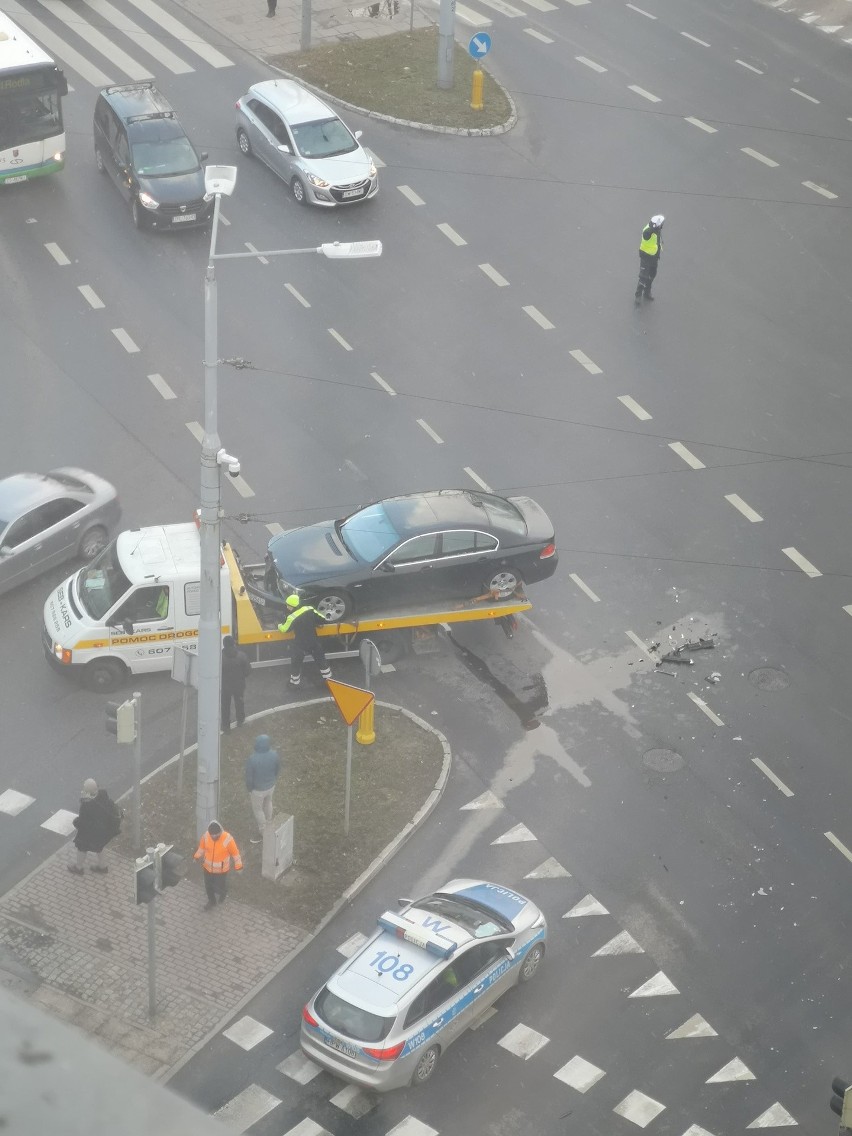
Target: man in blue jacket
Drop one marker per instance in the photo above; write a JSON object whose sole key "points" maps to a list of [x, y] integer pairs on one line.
{"points": [[262, 769]]}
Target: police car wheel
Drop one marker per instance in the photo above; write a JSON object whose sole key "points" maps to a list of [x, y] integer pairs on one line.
{"points": [[530, 965], [425, 1067], [104, 675], [503, 583]]}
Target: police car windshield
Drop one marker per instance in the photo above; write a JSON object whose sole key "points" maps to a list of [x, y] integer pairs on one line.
{"points": [[368, 533], [101, 583], [476, 920], [351, 1020]]}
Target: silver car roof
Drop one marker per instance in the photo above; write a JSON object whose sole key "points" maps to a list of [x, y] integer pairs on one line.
{"points": [[296, 104]]}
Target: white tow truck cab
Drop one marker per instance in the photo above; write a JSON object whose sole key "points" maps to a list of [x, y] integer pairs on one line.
{"points": [[125, 612]]}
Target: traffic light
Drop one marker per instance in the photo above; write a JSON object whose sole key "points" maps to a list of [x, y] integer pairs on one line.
{"points": [[173, 866], [146, 884], [841, 1102], [121, 721]]}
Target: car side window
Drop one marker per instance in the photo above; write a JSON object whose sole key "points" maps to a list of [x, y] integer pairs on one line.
{"points": [[432, 996], [476, 959], [56, 511], [122, 150], [418, 548], [145, 605], [279, 130], [262, 111], [486, 543], [457, 543], [24, 529]]}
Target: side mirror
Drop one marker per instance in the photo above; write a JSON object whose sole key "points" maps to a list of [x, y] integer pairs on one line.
{"points": [[358, 133], [284, 149], [203, 157], [404, 902], [388, 567]]}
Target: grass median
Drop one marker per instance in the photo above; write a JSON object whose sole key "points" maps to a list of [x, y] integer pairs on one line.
{"points": [[391, 779]]}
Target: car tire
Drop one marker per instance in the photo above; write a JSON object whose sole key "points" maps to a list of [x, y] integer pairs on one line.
{"points": [[425, 1067], [334, 607], [503, 583], [243, 143], [94, 541], [99, 160], [300, 194], [531, 963], [136, 213], [104, 675]]}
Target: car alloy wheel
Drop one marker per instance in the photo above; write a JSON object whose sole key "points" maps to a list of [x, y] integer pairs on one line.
{"points": [[425, 1067], [243, 142], [531, 963], [93, 542], [334, 607], [297, 188], [503, 584], [99, 160]]}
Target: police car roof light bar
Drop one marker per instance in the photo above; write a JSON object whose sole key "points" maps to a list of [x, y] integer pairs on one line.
{"points": [[402, 929]]}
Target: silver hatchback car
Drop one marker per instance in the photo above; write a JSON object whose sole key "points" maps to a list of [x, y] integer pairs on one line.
{"points": [[46, 519], [388, 1013], [305, 143]]}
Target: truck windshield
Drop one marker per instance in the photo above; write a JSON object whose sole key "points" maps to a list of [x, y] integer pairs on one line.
{"points": [[101, 583]]}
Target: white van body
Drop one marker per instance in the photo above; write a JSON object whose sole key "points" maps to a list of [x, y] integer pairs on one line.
{"points": [[126, 610]]}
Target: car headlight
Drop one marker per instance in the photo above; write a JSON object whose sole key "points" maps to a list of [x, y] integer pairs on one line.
{"points": [[319, 182], [148, 201], [373, 170]]}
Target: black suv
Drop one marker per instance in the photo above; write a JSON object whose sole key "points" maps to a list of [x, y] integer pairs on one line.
{"points": [[141, 145]]}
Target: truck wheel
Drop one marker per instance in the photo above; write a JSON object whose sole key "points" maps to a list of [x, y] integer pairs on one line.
{"points": [[503, 583], [104, 675], [334, 607], [391, 648], [93, 542], [425, 1067]]}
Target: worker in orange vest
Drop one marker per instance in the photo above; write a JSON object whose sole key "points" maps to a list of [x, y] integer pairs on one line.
{"points": [[216, 850]]}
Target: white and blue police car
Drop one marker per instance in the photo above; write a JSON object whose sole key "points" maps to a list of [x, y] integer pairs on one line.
{"points": [[387, 1014]]}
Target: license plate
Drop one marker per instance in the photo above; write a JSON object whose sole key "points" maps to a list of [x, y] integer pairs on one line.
{"points": [[183, 217], [20, 177], [353, 193], [341, 1046]]}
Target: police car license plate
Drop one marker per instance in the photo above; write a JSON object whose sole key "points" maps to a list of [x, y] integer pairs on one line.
{"points": [[184, 217], [353, 193], [341, 1046], [21, 177]]}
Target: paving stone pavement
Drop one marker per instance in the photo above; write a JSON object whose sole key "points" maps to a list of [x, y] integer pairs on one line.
{"points": [[85, 944]]}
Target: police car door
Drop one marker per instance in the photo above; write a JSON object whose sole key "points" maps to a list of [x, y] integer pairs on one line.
{"points": [[479, 972]]}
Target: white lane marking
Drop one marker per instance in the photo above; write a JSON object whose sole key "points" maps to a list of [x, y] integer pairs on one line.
{"points": [[590, 63], [622, 944], [810, 18], [579, 3], [523, 1041], [125, 340], [474, 19], [159, 384], [746, 510], [494, 275], [355, 1101], [696, 1026], [584, 587], [544, 39], [181, 32], [639, 1108], [776, 781], [57, 253], [247, 1107], [247, 1032], [541, 5], [62, 822], [588, 905], [485, 800], [687, 455], [411, 1126], [748, 66], [735, 1070], [634, 638], [241, 485], [140, 37], [704, 708], [801, 562], [196, 429], [645, 94], [274, 528], [475, 477], [758, 156], [536, 315], [658, 986], [298, 1067], [90, 295], [508, 10], [385, 386], [641, 11], [695, 39], [347, 948], [776, 1116], [830, 29], [848, 609], [297, 295], [380, 165], [408, 192], [223, 220], [12, 802], [819, 189], [583, 359], [579, 1074], [802, 95], [549, 869], [701, 125], [96, 39], [520, 834], [336, 335], [450, 232], [634, 407], [48, 38], [424, 425], [838, 844], [252, 248]]}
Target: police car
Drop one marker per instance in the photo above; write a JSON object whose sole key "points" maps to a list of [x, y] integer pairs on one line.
{"points": [[386, 1016]]}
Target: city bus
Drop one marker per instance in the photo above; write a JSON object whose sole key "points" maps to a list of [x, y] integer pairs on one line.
{"points": [[32, 137]]}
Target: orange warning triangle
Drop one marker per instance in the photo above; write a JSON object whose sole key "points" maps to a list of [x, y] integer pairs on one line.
{"points": [[351, 701]]}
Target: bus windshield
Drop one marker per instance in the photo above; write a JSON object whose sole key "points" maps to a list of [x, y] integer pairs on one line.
{"points": [[102, 583], [28, 116]]}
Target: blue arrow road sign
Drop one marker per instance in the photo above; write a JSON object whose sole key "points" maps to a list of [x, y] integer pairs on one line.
{"points": [[479, 45]]}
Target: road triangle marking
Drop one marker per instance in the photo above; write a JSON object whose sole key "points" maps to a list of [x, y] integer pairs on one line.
{"points": [[694, 1130], [776, 1116], [623, 944], [485, 800], [551, 869], [515, 835], [655, 986], [588, 905], [696, 1026], [735, 1070]]}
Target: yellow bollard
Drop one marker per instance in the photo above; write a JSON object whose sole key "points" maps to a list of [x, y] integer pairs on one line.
{"points": [[476, 91], [366, 734]]}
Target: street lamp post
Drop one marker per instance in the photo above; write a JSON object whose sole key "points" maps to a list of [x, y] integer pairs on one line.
{"points": [[221, 180]]}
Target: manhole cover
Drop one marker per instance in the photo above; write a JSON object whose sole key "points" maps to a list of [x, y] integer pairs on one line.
{"points": [[768, 678], [663, 760]]}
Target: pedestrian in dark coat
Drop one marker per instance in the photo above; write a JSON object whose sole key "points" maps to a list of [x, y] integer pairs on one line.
{"points": [[262, 769], [235, 670], [99, 821]]}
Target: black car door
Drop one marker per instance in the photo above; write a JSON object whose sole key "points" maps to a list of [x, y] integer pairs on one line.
{"points": [[404, 576], [462, 568]]}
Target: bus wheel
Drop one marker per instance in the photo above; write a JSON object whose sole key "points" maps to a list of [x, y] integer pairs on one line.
{"points": [[105, 675]]}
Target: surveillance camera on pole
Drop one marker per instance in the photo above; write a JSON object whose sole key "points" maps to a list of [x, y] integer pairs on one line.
{"points": [[228, 460]]}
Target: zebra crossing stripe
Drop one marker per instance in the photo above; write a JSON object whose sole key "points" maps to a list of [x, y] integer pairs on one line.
{"points": [[12, 802], [96, 39], [140, 37], [180, 31], [57, 45]]}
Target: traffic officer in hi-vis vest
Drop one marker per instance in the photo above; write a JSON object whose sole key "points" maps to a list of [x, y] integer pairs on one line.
{"points": [[303, 620], [650, 248]]}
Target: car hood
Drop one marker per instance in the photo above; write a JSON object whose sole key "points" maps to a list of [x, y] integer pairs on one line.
{"points": [[312, 553], [539, 525], [176, 189], [343, 169]]}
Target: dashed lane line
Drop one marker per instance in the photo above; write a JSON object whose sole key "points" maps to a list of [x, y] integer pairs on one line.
{"points": [[578, 3], [583, 359], [413, 197], [645, 94], [197, 430], [536, 315], [590, 63], [758, 156], [57, 253], [748, 66], [494, 275], [746, 510], [634, 407], [90, 296], [776, 781], [801, 562], [819, 189], [701, 125], [251, 248], [297, 295], [475, 477], [641, 11], [584, 587], [161, 386], [848, 609], [538, 35], [385, 386], [125, 340], [802, 95], [634, 638], [274, 528], [839, 845], [688, 456], [424, 425], [704, 708], [695, 39], [336, 335], [450, 232]]}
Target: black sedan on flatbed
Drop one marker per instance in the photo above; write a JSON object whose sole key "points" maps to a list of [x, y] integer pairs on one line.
{"points": [[444, 545]]}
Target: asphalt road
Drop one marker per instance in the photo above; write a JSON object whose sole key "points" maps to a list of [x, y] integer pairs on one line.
{"points": [[719, 867]]}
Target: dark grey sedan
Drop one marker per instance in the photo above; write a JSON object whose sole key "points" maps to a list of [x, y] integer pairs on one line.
{"points": [[48, 518]]}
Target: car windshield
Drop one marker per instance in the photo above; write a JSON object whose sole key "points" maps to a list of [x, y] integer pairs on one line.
{"points": [[3, 526], [351, 1020], [101, 583], [473, 918], [164, 157], [323, 139], [369, 533]]}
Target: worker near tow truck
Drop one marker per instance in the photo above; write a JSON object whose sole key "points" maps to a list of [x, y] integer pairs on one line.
{"points": [[303, 620]]}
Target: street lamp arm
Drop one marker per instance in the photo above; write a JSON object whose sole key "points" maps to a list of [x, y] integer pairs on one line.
{"points": [[336, 250]]}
